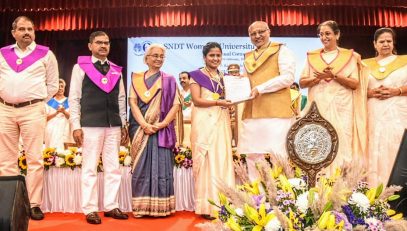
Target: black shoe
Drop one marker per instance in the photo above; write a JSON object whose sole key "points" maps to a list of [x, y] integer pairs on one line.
{"points": [[36, 213], [93, 218], [116, 214], [207, 217]]}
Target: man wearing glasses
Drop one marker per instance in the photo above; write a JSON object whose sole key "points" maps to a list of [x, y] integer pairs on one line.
{"points": [[98, 115], [267, 118]]}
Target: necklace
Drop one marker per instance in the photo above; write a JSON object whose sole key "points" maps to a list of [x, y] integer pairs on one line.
{"points": [[215, 94], [254, 54]]}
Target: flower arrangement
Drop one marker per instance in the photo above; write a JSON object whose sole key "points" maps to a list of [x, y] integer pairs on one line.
{"points": [[182, 157], [69, 158], [281, 200]]}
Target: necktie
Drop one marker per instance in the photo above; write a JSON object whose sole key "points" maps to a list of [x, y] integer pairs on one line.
{"points": [[103, 68]]}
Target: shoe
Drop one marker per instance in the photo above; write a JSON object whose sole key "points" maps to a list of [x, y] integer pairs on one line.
{"points": [[93, 218], [36, 213], [207, 217], [116, 214]]}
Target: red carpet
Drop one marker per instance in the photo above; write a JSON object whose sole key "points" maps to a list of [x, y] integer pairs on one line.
{"points": [[180, 221]]}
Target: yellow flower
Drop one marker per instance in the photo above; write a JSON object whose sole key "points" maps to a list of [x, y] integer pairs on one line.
{"points": [[285, 184], [371, 194], [233, 225], [398, 216], [252, 188], [49, 151], [276, 171], [22, 162], [46, 156], [260, 218], [122, 154], [73, 149], [390, 212], [179, 158], [69, 160]]}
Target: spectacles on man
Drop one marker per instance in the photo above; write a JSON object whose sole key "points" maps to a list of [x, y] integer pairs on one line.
{"points": [[157, 56], [100, 43], [259, 32]]}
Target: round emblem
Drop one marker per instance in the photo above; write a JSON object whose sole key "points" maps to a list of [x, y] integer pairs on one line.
{"points": [[312, 143], [147, 94], [254, 64], [104, 80], [382, 69], [215, 96], [19, 61]]}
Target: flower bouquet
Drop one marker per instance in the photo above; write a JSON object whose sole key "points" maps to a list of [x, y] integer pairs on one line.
{"points": [[281, 200], [182, 157]]}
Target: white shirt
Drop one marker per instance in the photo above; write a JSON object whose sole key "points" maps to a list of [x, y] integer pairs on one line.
{"points": [[38, 81], [75, 95]]}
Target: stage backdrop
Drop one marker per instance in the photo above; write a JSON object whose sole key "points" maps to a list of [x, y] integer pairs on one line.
{"points": [[185, 53]]}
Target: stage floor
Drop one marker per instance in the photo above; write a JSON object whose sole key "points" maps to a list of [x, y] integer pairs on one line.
{"points": [[180, 221]]}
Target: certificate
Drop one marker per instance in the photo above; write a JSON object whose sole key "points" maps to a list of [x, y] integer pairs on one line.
{"points": [[237, 89]]}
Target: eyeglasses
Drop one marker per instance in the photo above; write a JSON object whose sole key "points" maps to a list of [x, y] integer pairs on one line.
{"points": [[157, 56], [100, 43], [260, 32], [327, 34]]}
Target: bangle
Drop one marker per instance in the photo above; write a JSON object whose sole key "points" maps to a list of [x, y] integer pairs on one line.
{"points": [[401, 91]]}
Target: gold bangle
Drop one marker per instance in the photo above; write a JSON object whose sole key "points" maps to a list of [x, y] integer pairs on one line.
{"points": [[401, 91]]}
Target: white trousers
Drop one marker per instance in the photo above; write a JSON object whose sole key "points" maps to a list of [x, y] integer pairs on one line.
{"points": [[105, 141]]}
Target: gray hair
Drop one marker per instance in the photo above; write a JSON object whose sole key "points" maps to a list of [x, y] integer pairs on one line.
{"points": [[149, 48]]}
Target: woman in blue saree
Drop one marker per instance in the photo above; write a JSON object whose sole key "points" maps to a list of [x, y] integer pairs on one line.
{"points": [[154, 103]]}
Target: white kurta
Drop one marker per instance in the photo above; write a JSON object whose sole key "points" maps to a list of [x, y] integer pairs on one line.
{"points": [[268, 135], [57, 131], [387, 121]]}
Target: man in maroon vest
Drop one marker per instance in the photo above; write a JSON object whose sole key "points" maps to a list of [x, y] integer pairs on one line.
{"points": [[28, 79], [98, 115]]}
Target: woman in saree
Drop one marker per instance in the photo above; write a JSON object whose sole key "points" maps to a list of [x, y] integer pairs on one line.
{"points": [[387, 105], [154, 103], [57, 131], [337, 85], [210, 131]]}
